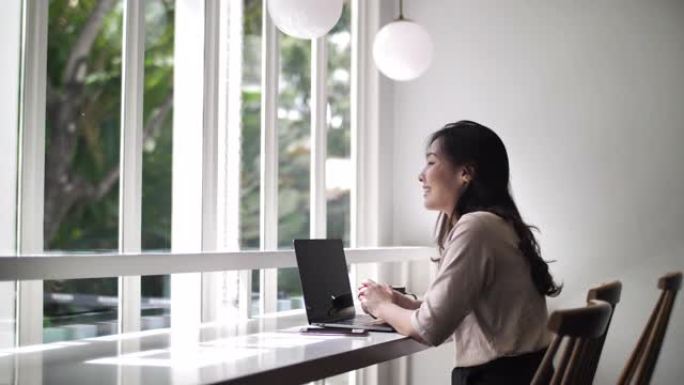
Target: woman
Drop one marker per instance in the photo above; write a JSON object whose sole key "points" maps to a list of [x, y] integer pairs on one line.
{"points": [[489, 291]]}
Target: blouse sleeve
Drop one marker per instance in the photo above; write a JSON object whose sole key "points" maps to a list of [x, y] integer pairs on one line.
{"points": [[463, 273]]}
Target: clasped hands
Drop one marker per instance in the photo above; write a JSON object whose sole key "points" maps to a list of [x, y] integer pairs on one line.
{"points": [[372, 295]]}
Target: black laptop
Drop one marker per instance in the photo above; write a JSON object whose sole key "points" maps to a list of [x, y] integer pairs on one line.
{"points": [[327, 294]]}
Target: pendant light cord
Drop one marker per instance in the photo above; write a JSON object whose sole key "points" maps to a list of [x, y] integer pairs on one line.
{"points": [[401, 10]]}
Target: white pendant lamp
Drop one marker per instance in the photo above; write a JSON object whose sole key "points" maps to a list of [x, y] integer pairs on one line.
{"points": [[402, 49], [305, 19]]}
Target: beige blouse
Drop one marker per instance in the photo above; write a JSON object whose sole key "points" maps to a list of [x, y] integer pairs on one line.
{"points": [[483, 295]]}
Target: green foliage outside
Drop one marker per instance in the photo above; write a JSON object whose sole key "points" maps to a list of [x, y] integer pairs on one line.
{"points": [[294, 144], [83, 128]]}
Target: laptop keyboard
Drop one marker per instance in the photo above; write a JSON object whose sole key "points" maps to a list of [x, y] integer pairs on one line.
{"points": [[359, 320]]}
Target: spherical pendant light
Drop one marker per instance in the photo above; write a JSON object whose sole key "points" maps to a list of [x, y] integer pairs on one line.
{"points": [[402, 50], [305, 19]]}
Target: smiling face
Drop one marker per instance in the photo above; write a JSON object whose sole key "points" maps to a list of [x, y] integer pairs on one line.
{"points": [[442, 182]]}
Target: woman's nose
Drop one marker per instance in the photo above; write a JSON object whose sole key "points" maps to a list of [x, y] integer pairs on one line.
{"points": [[420, 177]]}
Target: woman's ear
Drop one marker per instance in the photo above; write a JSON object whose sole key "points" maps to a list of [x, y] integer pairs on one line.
{"points": [[467, 173]]}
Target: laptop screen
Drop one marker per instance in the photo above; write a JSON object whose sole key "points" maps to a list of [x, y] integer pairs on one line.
{"points": [[325, 283]]}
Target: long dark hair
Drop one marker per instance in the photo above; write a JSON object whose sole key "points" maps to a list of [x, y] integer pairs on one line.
{"points": [[467, 143]]}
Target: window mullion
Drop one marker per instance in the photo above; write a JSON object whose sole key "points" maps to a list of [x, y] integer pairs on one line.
{"points": [[9, 144], [187, 220], [210, 125], [269, 158], [95, 264], [210, 150], [239, 283], [130, 186], [356, 111], [230, 129], [364, 126], [32, 166], [319, 142]]}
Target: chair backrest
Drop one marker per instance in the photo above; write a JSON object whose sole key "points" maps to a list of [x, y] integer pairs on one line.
{"points": [[608, 292], [581, 327], [641, 363]]}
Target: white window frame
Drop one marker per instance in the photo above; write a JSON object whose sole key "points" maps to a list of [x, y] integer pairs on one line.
{"points": [[210, 152], [268, 212], [30, 200], [10, 30], [131, 160], [77, 266], [365, 149], [233, 128], [188, 163], [319, 137]]}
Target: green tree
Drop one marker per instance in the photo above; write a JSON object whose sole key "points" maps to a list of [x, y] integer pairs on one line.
{"points": [[83, 108], [83, 128], [82, 136]]}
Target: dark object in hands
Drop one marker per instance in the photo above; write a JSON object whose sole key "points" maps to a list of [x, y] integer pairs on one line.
{"points": [[402, 290]]}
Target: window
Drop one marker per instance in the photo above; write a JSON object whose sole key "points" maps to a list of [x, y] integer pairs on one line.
{"points": [[157, 155], [250, 182], [84, 99], [338, 165], [81, 208], [294, 138], [294, 143]]}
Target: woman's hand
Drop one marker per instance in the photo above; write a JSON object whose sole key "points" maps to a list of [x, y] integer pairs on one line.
{"points": [[372, 295], [380, 300]]}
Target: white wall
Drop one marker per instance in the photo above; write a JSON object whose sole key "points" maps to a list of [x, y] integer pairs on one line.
{"points": [[589, 98], [386, 134]]}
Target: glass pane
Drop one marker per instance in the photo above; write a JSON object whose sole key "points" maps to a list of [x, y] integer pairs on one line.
{"points": [[157, 155], [250, 182], [82, 159], [293, 158], [250, 174], [79, 308], [255, 293], [156, 302], [339, 170]]}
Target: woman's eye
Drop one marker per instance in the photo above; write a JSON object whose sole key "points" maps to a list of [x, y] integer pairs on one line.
{"points": [[430, 163]]}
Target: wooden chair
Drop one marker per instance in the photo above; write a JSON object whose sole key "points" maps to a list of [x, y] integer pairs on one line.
{"points": [[608, 292], [582, 327], [641, 364]]}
